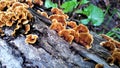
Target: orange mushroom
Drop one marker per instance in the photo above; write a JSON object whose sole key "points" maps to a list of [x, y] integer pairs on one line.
{"points": [[75, 34], [9, 23], [2, 24], [2, 5], [81, 28], [86, 40], [16, 4], [31, 38], [109, 45], [38, 2], [59, 12], [117, 44], [99, 66], [66, 34], [29, 2], [72, 24], [115, 58], [44, 14], [1, 32], [38, 11], [27, 28], [59, 18], [56, 26], [56, 11]]}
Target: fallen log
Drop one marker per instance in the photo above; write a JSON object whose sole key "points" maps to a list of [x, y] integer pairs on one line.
{"points": [[50, 50]]}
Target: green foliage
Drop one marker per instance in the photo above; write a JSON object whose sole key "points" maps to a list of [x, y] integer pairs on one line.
{"points": [[84, 21], [69, 6], [118, 13], [83, 2], [49, 4], [95, 15], [115, 33]]}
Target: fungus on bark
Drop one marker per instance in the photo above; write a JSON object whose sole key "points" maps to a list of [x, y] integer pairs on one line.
{"points": [[31, 38], [56, 26], [72, 24], [99, 66], [59, 18]]}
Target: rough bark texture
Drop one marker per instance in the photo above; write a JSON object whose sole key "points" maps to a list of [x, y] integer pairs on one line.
{"points": [[50, 51]]}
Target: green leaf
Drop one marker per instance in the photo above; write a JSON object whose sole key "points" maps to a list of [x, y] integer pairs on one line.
{"points": [[85, 21], [115, 33], [118, 13], [78, 11], [69, 6], [110, 33], [118, 36], [49, 4], [84, 2], [94, 14]]}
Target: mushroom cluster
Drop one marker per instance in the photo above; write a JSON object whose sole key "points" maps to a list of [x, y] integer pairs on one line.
{"points": [[42, 13], [30, 2], [78, 33], [114, 47], [15, 14]]}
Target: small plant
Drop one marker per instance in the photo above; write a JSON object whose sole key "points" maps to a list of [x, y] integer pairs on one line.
{"points": [[94, 14], [115, 33], [69, 6], [49, 3]]}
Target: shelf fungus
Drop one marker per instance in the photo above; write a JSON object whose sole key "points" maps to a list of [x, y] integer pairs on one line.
{"points": [[30, 2], [108, 45], [114, 47], [56, 11], [59, 12], [27, 28], [86, 40], [109, 39], [5, 4], [42, 13], [115, 58], [38, 2], [56, 26], [78, 33], [16, 15], [1, 32], [31, 38], [99, 66], [67, 35], [81, 28], [59, 18], [71, 24]]}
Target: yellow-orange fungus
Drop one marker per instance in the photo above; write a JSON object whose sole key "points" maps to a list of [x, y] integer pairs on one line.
{"points": [[31, 38]]}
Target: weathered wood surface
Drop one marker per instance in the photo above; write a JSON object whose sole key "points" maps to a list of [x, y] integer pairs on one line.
{"points": [[50, 51]]}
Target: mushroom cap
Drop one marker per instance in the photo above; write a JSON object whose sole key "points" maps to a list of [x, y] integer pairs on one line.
{"points": [[56, 26], [81, 29], [31, 38], [72, 24], [86, 39], [59, 18]]}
